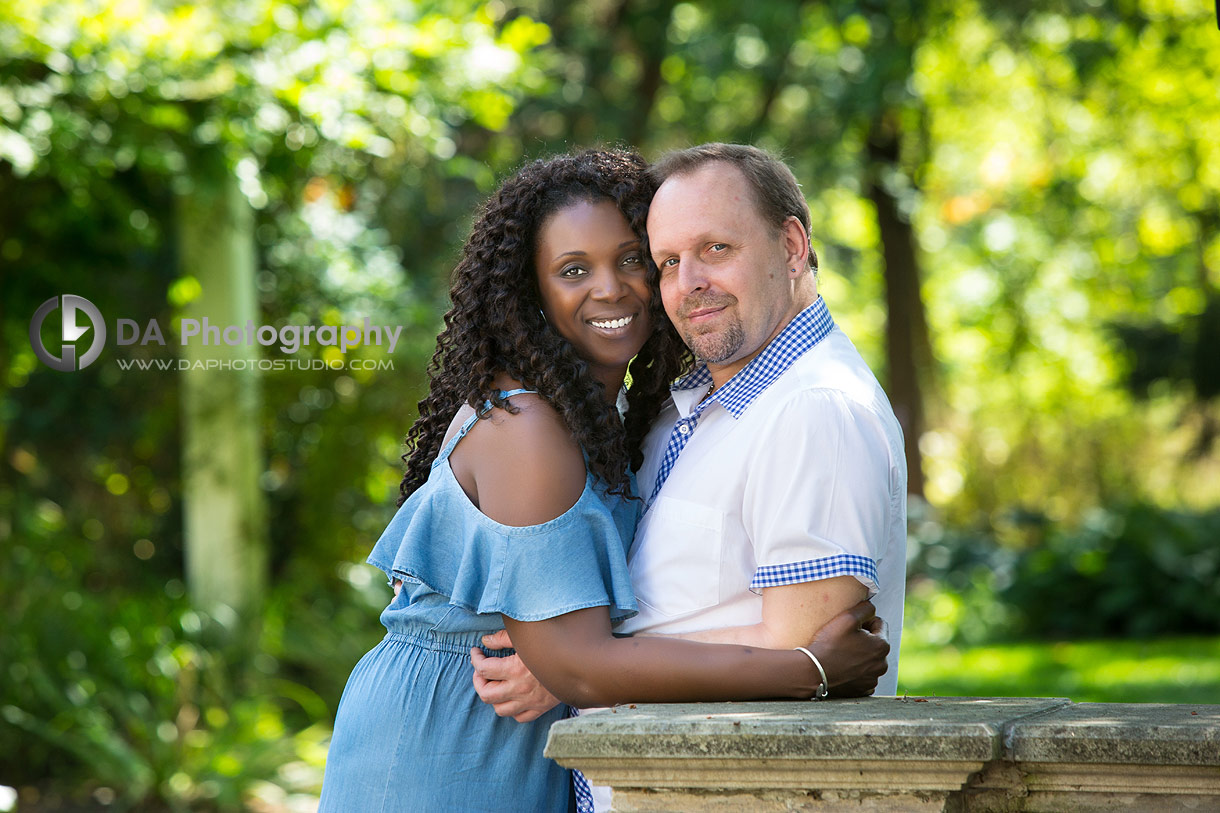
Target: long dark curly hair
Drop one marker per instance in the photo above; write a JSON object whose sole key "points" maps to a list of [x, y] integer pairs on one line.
{"points": [[496, 325]]}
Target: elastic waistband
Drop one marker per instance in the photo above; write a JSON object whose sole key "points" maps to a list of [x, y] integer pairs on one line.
{"points": [[455, 644]]}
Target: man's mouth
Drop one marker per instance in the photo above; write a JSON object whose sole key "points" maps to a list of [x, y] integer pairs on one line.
{"points": [[699, 313], [694, 310], [612, 324]]}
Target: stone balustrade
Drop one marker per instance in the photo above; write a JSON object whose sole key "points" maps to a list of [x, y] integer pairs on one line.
{"points": [[957, 754]]}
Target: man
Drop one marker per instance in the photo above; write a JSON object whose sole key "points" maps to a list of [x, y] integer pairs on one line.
{"points": [[775, 481]]}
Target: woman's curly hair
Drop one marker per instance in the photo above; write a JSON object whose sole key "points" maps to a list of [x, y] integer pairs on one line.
{"points": [[496, 324]]}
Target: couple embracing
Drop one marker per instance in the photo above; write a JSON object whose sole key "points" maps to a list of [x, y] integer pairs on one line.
{"points": [[730, 524]]}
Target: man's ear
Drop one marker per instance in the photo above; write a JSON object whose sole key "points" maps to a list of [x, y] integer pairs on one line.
{"points": [[796, 244]]}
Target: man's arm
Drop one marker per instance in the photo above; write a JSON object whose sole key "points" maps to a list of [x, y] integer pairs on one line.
{"points": [[791, 614], [507, 685], [816, 506]]}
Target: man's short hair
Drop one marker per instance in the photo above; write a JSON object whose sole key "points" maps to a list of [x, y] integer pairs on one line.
{"points": [[777, 195]]}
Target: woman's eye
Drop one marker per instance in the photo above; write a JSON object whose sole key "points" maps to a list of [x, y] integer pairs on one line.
{"points": [[632, 259], [572, 271]]}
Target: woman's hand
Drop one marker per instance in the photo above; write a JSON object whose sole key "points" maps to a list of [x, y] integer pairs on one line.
{"points": [[852, 651]]}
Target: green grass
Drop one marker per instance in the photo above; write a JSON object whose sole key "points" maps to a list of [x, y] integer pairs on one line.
{"points": [[1171, 670]]}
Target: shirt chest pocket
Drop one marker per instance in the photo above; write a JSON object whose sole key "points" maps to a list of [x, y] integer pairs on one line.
{"points": [[675, 563]]}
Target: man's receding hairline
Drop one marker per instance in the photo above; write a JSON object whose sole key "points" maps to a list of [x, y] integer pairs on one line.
{"points": [[751, 189]]}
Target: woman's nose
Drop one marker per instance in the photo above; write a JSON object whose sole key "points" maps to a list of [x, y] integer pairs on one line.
{"points": [[608, 285]]}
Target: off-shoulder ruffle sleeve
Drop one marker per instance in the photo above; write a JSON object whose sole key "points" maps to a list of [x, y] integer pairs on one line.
{"points": [[575, 561]]}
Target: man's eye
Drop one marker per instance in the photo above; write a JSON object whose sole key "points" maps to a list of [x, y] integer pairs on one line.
{"points": [[718, 247], [670, 263]]}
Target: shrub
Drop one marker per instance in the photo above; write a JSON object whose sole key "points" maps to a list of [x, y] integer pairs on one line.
{"points": [[1134, 571], [133, 698], [1138, 571]]}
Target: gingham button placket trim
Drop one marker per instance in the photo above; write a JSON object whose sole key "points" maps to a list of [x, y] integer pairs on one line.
{"points": [[805, 330]]}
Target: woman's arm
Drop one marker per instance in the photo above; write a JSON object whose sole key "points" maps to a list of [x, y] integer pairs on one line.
{"points": [[506, 684], [578, 660]]}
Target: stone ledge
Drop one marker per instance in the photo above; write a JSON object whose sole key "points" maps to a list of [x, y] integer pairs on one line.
{"points": [[883, 753], [1121, 733], [954, 728]]}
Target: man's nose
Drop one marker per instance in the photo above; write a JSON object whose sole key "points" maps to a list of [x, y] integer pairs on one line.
{"points": [[692, 276]]}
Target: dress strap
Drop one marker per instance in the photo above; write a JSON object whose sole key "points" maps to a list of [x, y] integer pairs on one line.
{"points": [[448, 450], [487, 406]]}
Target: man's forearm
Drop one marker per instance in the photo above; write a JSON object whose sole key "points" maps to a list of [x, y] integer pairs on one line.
{"points": [[753, 635]]}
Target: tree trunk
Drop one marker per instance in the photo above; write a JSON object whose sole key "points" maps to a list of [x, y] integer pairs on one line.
{"points": [[649, 26], [224, 508], [906, 334]]}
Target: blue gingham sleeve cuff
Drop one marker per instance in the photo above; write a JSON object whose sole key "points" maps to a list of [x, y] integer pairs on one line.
{"points": [[843, 564]]}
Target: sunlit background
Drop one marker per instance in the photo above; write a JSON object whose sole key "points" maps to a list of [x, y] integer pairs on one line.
{"points": [[1015, 206]]}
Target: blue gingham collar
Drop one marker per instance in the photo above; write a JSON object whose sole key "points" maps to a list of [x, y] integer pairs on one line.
{"points": [[805, 330]]}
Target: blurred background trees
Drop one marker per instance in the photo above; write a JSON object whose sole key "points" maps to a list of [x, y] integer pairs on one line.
{"points": [[1015, 207]]}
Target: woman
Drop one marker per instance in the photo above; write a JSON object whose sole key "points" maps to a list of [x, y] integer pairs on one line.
{"points": [[517, 510]]}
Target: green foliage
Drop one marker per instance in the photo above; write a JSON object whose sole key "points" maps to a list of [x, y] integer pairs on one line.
{"points": [[1063, 194], [140, 699], [341, 81], [1135, 572], [1178, 353], [952, 580], [133, 696]]}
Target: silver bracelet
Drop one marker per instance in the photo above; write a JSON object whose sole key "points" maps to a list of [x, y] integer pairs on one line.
{"points": [[821, 691]]}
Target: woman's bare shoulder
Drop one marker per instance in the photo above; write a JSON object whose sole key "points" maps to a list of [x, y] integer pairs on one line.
{"points": [[525, 467]]}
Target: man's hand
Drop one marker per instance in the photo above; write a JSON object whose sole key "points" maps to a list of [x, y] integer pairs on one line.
{"points": [[506, 685], [852, 651]]}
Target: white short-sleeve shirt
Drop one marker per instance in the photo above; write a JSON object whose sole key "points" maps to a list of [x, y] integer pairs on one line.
{"points": [[802, 480]]}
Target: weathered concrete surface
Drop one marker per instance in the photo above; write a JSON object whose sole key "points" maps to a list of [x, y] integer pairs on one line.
{"points": [[1121, 733], [960, 755]]}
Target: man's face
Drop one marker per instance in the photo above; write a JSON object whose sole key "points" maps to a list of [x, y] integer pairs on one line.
{"points": [[725, 273]]}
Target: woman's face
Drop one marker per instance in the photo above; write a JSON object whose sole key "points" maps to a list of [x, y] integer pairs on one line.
{"points": [[593, 284]]}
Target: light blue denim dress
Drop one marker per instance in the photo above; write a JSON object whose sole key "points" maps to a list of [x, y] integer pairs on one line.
{"points": [[410, 733]]}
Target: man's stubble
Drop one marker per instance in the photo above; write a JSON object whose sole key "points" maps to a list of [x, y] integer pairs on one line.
{"points": [[717, 346]]}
